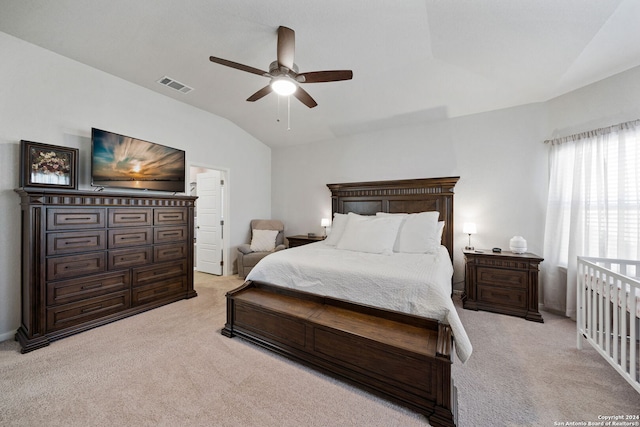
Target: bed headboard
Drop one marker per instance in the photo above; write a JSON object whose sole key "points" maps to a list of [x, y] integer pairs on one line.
{"points": [[399, 196]]}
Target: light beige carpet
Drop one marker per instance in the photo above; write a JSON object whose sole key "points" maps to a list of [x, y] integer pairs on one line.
{"points": [[172, 367]]}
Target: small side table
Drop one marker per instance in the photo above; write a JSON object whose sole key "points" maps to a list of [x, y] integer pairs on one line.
{"points": [[503, 282], [303, 239]]}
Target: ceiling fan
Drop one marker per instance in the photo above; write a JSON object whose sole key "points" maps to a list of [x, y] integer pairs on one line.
{"points": [[284, 75]]}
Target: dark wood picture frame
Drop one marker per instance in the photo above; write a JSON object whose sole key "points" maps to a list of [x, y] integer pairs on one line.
{"points": [[46, 165]]}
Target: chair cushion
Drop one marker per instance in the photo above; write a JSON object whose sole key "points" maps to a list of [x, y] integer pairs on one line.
{"points": [[263, 240]]}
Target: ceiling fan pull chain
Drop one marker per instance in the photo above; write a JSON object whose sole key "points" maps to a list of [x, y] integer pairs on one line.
{"points": [[288, 113], [278, 111]]}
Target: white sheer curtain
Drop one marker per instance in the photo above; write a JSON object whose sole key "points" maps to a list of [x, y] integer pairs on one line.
{"points": [[593, 208]]}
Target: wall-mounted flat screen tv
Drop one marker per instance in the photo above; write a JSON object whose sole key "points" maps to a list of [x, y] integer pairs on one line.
{"points": [[124, 162]]}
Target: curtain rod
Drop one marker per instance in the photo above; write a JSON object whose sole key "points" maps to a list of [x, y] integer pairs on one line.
{"points": [[600, 131]]}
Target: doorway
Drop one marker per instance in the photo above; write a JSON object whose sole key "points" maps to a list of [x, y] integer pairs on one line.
{"points": [[209, 185]]}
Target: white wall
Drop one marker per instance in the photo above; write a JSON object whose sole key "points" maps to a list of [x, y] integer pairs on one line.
{"points": [[47, 98], [607, 102], [499, 156]]}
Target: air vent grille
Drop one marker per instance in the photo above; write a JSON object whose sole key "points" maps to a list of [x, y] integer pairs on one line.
{"points": [[174, 84]]}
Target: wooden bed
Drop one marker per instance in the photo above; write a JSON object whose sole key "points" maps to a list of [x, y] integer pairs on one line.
{"points": [[402, 357]]}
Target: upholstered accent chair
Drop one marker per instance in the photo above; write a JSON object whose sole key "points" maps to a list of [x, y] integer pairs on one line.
{"points": [[267, 236]]}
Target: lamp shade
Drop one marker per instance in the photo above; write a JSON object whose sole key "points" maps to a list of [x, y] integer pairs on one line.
{"points": [[325, 222], [469, 228]]}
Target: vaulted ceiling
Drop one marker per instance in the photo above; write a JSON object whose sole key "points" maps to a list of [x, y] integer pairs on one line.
{"points": [[412, 60]]}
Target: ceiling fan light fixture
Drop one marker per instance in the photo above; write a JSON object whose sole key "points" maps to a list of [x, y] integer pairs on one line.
{"points": [[283, 86]]}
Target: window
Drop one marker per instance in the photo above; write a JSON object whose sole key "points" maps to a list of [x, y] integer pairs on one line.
{"points": [[593, 208]]}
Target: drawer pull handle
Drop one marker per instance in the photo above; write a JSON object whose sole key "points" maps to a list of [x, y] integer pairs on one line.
{"points": [[131, 217], [172, 234], [94, 286], [80, 219], [121, 238], [77, 267], [77, 242], [90, 309], [161, 291], [129, 258], [172, 216]]}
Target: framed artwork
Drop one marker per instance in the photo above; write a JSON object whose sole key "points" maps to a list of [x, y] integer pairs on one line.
{"points": [[44, 165]]}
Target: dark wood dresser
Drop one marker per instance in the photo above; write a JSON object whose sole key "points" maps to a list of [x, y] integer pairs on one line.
{"points": [[89, 258], [303, 239], [502, 282]]}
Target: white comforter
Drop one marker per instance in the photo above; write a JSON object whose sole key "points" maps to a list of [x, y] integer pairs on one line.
{"points": [[418, 284]]}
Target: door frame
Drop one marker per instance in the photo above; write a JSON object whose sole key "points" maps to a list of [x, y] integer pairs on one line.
{"points": [[227, 268]]}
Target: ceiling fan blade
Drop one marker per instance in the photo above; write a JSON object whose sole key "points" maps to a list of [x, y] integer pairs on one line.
{"points": [[286, 47], [304, 97], [261, 93], [324, 76], [237, 66]]}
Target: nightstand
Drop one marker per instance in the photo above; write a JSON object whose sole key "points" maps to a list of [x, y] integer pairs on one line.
{"points": [[503, 282], [303, 239]]}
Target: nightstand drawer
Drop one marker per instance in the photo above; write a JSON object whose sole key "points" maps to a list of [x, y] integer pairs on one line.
{"points": [[502, 278], [502, 296]]}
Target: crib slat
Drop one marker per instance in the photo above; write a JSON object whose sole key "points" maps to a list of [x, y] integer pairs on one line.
{"points": [[623, 320]]}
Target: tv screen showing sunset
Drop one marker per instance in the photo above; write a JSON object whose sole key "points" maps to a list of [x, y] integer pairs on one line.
{"points": [[121, 161]]}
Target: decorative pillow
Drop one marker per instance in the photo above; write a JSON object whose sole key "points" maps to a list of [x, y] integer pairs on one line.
{"points": [[440, 231], [263, 240], [337, 228], [419, 232], [373, 234]]}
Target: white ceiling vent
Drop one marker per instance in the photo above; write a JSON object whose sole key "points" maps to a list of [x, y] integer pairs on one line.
{"points": [[173, 84]]}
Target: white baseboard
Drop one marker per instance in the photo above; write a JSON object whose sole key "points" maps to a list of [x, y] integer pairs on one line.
{"points": [[7, 336]]}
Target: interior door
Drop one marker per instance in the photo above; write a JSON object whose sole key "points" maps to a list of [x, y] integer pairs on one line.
{"points": [[209, 222]]}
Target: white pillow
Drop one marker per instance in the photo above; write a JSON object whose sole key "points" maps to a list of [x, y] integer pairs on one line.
{"points": [[419, 232], [440, 231], [337, 228], [372, 234], [263, 240]]}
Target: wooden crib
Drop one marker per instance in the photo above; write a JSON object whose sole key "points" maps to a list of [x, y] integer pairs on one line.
{"points": [[608, 302]]}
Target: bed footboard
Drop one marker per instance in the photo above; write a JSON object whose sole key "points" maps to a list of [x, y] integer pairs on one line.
{"points": [[401, 357], [608, 316]]}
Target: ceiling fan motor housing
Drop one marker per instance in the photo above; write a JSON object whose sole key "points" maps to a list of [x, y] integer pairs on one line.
{"points": [[276, 70]]}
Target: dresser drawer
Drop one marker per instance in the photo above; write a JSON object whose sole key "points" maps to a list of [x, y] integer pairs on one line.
{"points": [[162, 253], [130, 217], [125, 237], [502, 278], [124, 258], [67, 291], [512, 298], [170, 216], [75, 265], [154, 273], [169, 234], [158, 290], [73, 314], [75, 218], [72, 242]]}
